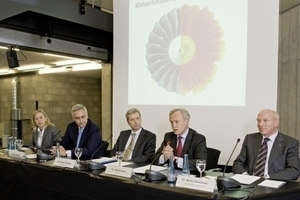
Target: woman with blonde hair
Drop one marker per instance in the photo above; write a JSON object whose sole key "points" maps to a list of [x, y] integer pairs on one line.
{"points": [[45, 133]]}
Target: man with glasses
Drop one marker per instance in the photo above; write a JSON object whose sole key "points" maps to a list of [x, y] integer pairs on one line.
{"points": [[269, 153]]}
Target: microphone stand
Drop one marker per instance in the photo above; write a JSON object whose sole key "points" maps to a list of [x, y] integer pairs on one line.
{"points": [[44, 156], [224, 182], [95, 165], [152, 175], [19, 149]]}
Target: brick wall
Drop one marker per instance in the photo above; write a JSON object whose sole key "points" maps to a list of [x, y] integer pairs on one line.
{"points": [[55, 94]]}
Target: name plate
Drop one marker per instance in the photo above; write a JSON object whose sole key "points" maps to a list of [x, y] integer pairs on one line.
{"points": [[119, 171], [17, 155], [64, 162], [201, 184]]}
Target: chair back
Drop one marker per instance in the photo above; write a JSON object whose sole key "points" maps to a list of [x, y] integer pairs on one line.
{"points": [[104, 146], [212, 158]]}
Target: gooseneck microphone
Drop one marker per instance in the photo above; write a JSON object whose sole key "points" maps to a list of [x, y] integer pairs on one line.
{"points": [[95, 165], [152, 175], [44, 156], [224, 182], [22, 136]]}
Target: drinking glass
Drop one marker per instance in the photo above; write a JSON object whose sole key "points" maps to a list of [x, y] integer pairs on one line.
{"points": [[200, 164], [119, 156], [78, 153], [20, 143]]}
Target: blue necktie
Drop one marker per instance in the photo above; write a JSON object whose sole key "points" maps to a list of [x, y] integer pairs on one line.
{"points": [[80, 130]]}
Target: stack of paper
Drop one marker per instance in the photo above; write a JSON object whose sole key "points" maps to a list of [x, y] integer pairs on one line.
{"points": [[245, 179], [271, 183], [105, 160]]}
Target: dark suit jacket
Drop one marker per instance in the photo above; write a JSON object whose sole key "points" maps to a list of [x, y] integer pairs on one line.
{"points": [[194, 146], [50, 137], [90, 140], [144, 147], [284, 163]]}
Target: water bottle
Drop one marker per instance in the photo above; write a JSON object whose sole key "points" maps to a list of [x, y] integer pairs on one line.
{"points": [[171, 171], [14, 143], [57, 150], [186, 168], [9, 147]]}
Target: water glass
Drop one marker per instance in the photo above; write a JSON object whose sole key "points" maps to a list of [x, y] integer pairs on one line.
{"points": [[78, 153], [119, 156], [201, 165], [20, 143]]}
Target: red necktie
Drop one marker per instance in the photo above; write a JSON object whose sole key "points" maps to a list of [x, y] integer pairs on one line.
{"points": [[179, 147]]}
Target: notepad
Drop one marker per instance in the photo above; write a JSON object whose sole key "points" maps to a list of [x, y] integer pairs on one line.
{"points": [[272, 184]]}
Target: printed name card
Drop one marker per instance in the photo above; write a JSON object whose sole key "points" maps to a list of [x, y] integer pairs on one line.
{"points": [[119, 171], [64, 162], [201, 184], [17, 155]]}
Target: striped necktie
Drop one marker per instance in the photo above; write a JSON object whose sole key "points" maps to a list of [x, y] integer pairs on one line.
{"points": [[261, 159]]}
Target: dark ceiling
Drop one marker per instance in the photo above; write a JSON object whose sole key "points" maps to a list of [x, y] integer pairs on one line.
{"points": [[43, 25]]}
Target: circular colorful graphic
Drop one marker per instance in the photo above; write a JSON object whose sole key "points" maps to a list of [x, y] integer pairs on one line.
{"points": [[183, 48]]}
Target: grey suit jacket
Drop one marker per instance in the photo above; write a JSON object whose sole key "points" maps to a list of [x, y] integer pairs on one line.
{"points": [[50, 137], [144, 147], [194, 146], [284, 162]]}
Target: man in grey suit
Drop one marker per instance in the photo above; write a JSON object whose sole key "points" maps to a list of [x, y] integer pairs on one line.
{"points": [[192, 143], [137, 143], [282, 159]]}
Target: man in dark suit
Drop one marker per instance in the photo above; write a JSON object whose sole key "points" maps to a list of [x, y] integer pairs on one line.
{"points": [[282, 159], [143, 144], [189, 141], [82, 133]]}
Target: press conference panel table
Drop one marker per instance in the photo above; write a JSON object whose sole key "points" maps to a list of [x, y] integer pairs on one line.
{"points": [[32, 180]]}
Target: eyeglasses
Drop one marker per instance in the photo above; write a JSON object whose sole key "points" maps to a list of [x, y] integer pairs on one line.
{"points": [[264, 121]]}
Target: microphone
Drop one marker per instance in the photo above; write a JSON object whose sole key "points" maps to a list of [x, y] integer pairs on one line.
{"points": [[95, 165], [19, 149], [152, 175], [26, 133], [40, 155], [224, 182]]}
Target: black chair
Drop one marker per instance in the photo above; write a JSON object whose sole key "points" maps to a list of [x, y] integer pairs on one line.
{"points": [[104, 146], [212, 159]]}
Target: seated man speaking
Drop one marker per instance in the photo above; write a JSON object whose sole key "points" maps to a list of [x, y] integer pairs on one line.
{"points": [[181, 140]]}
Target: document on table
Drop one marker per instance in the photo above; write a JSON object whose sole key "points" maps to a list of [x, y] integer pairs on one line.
{"points": [[141, 170], [271, 183], [31, 156], [117, 163], [105, 160], [245, 179]]}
